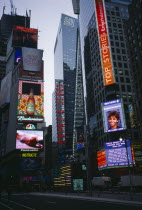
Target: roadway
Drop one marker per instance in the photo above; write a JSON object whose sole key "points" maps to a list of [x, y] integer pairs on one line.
{"points": [[49, 201]]}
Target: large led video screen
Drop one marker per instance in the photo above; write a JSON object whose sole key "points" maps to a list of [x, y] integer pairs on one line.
{"points": [[119, 153], [24, 37], [29, 139], [32, 59], [113, 116], [30, 102]]}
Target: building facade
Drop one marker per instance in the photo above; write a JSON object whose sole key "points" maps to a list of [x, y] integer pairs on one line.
{"points": [[21, 102], [68, 112], [94, 51]]}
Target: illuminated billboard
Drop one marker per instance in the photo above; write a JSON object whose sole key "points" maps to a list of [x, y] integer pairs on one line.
{"points": [[24, 37], [113, 115], [105, 51], [77, 184], [18, 55], [60, 111], [5, 89], [101, 159], [118, 153], [79, 145], [29, 139], [32, 59], [30, 164], [30, 102], [31, 75]]}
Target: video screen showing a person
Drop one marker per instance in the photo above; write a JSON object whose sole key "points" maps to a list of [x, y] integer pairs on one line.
{"points": [[114, 120]]}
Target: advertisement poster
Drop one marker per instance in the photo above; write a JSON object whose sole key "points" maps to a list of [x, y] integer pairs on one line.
{"points": [[30, 102], [78, 184], [113, 116], [29, 139], [32, 59]]}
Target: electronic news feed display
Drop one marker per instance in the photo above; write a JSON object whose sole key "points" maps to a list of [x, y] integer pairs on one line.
{"points": [[105, 50], [24, 37], [116, 154], [113, 115], [30, 102], [119, 153], [29, 139]]}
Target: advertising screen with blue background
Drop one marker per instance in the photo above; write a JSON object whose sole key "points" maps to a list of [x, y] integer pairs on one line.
{"points": [[118, 153]]}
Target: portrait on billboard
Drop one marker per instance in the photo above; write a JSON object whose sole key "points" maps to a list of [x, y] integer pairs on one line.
{"points": [[113, 116], [29, 139], [114, 119], [31, 100]]}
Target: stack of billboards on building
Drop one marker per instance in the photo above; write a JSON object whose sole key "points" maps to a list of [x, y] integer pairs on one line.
{"points": [[30, 108]]}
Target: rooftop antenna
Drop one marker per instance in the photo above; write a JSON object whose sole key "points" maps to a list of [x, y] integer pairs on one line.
{"points": [[12, 7]]}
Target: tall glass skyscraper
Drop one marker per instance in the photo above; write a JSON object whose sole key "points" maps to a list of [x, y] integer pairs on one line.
{"points": [[68, 93]]}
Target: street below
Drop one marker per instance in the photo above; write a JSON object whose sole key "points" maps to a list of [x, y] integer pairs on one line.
{"points": [[40, 201]]}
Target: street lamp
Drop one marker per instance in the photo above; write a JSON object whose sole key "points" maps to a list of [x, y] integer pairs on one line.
{"points": [[130, 176]]}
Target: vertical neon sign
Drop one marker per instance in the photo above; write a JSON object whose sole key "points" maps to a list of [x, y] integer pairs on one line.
{"points": [[105, 53]]}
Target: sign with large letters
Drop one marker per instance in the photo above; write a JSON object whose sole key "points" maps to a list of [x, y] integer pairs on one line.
{"points": [[105, 51]]}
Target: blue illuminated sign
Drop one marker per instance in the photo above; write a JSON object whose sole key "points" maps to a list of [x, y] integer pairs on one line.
{"points": [[118, 153]]}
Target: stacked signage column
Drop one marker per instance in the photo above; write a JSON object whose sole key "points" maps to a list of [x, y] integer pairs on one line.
{"points": [[30, 108], [116, 153]]}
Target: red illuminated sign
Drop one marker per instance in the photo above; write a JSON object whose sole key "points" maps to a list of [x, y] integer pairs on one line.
{"points": [[60, 112], [101, 157], [29, 30], [104, 43]]}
